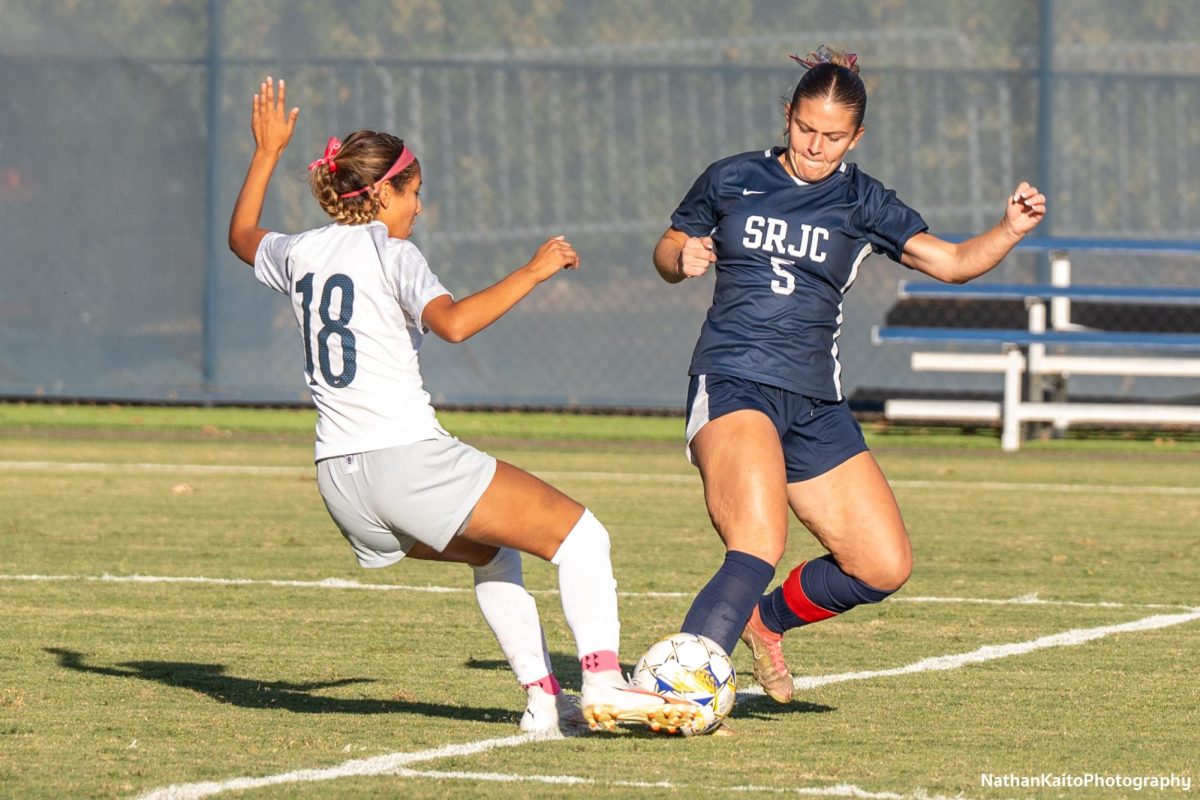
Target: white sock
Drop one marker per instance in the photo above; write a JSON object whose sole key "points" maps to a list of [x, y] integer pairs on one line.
{"points": [[587, 587], [512, 614]]}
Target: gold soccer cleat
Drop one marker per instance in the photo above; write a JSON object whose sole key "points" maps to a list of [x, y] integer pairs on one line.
{"points": [[770, 668], [606, 704]]}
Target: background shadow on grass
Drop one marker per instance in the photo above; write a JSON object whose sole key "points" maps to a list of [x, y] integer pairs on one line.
{"points": [[211, 680]]}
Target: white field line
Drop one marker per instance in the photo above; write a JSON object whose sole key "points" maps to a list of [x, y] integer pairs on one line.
{"points": [[378, 765], [1071, 638], [396, 763], [99, 466], [836, 790], [327, 583], [1033, 600], [1070, 488], [621, 477], [393, 764], [341, 583], [997, 486]]}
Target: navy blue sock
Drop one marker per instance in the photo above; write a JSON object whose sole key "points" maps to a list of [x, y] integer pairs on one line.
{"points": [[723, 606], [814, 591]]}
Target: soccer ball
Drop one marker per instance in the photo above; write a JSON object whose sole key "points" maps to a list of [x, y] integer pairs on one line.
{"points": [[690, 667]]}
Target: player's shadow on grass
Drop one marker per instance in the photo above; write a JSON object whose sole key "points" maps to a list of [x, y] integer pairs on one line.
{"points": [[211, 680], [565, 666], [762, 707]]}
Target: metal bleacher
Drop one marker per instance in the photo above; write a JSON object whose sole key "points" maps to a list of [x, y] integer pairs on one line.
{"points": [[1025, 362]]}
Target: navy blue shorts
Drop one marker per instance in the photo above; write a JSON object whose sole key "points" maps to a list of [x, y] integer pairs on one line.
{"points": [[817, 435]]}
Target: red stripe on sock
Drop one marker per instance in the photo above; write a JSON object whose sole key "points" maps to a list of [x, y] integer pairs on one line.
{"points": [[549, 684], [600, 661], [798, 602]]}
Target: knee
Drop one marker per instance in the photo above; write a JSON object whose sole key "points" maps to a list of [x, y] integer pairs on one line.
{"points": [[886, 573], [760, 537], [588, 539], [491, 562], [886, 569], [890, 577]]}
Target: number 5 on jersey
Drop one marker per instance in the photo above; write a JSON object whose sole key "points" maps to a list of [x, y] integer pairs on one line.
{"points": [[788, 283], [330, 326]]}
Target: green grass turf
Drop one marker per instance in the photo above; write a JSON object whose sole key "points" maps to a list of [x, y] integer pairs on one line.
{"points": [[218, 422], [109, 689]]}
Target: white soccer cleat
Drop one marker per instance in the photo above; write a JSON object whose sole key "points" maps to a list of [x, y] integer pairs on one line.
{"points": [[609, 699], [546, 712]]}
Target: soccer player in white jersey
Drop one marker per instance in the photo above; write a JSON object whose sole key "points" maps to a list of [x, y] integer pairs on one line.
{"points": [[393, 480], [768, 426]]}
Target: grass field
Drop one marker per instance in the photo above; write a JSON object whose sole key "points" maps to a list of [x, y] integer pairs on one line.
{"points": [[181, 619]]}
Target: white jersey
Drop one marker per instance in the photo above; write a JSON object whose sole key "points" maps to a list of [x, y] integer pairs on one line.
{"points": [[358, 296]]}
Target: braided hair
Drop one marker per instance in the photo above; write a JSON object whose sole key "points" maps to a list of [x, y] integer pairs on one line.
{"points": [[363, 158]]}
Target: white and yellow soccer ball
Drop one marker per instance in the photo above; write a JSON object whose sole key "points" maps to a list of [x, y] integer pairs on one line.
{"points": [[694, 668]]}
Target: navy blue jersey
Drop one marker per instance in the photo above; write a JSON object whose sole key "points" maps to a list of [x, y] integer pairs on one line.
{"points": [[787, 251]]}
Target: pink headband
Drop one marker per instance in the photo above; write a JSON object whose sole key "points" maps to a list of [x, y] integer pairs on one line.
{"points": [[406, 158]]}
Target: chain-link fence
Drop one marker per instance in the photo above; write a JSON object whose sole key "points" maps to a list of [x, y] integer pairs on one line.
{"points": [[124, 137]]}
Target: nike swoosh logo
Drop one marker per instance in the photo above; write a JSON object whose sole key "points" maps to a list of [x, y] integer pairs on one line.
{"points": [[751, 191]]}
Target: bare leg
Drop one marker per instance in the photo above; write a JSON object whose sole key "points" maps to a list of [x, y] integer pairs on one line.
{"points": [[459, 551], [853, 513], [741, 464], [523, 512]]}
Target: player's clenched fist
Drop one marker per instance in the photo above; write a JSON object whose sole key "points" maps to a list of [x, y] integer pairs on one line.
{"points": [[1025, 209], [555, 253], [695, 256]]}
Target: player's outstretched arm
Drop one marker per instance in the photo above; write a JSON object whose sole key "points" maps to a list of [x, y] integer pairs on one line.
{"points": [[959, 263], [678, 256], [272, 126], [455, 321]]}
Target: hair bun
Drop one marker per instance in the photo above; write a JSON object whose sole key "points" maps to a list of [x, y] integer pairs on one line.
{"points": [[826, 55]]}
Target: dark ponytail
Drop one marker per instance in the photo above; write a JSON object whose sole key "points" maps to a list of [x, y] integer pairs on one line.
{"points": [[832, 75]]}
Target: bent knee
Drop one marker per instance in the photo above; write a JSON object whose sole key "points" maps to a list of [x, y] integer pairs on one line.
{"points": [[886, 571], [890, 577]]}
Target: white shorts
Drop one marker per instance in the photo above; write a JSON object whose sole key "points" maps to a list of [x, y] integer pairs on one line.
{"points": [[386, 500]]}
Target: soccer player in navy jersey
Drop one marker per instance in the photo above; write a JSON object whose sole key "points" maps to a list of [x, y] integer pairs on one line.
{"points": [[767, 423]]}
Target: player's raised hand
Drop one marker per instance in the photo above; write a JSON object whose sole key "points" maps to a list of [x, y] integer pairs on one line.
{"points": [[695, 256], [556, 253], [270, 121], [1025, 209]]}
